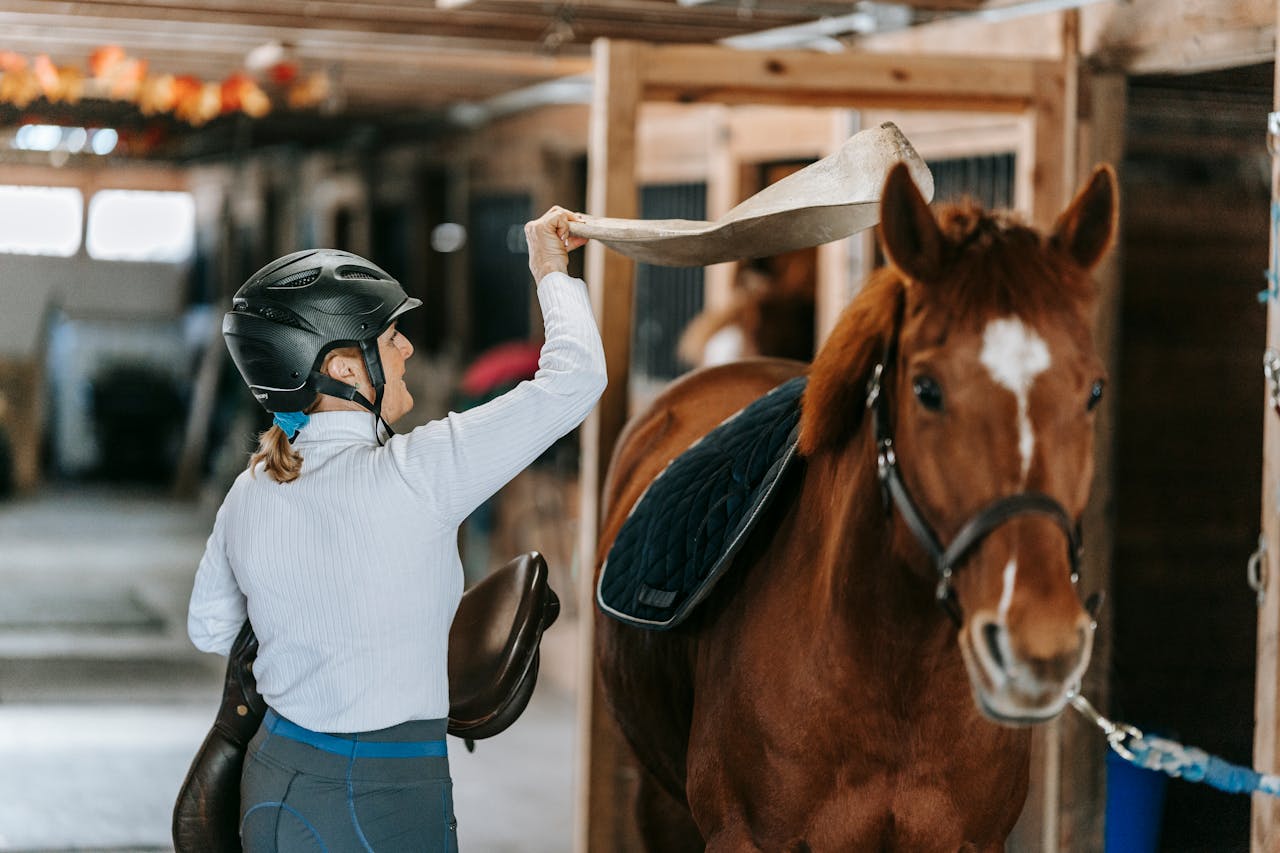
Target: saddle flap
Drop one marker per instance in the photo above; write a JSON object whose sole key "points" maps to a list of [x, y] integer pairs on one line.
{"points": [[493, 646], [206, 816]]}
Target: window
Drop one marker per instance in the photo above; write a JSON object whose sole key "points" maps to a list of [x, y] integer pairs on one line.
{"points": [[131, 225], [40, 220]]}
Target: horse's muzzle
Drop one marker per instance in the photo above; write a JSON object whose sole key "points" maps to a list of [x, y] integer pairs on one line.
{"points": [[1017, 687]]}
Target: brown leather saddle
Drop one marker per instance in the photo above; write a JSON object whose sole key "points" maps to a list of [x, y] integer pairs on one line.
{"points": [[493, 666]]}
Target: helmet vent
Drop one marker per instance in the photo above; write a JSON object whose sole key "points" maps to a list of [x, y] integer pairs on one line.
{"points": [[275, 315], [357, 274], [302, 279]]}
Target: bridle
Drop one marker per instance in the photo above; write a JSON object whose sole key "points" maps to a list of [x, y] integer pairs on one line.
{"points": [[948, 558]]}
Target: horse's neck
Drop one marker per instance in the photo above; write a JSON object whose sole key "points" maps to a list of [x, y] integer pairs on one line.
{"points": [[866, 589]]}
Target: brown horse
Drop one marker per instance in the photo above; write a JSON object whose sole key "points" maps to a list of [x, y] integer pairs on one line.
{"points": [[819, 699]]}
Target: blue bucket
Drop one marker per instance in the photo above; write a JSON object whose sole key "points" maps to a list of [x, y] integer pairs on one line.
{"points": [[1135, 806]]}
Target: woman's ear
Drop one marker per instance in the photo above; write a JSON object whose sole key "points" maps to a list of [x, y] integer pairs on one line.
{"points": [[910, 235], [344, 369], [1086, 229]]}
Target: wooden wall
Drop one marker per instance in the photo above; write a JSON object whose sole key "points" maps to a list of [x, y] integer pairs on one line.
{"points": [[1189, 447]]}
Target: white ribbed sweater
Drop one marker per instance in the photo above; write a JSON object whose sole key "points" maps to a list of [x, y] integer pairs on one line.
{"points": [[351, 574]]}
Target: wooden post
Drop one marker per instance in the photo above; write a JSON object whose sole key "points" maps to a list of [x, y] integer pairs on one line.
{"points": [[1082, 804], [611, 191], [840, 263], [1265, 831]]}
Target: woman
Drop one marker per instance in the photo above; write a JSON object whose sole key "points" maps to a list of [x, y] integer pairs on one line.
{"points": [[340, 541]]}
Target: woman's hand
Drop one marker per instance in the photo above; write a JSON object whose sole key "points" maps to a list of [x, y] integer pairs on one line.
{"points": [[550, 242]]}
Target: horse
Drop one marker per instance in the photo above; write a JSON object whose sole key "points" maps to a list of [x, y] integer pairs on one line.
{"points": [[819, 699], [771, 313]]}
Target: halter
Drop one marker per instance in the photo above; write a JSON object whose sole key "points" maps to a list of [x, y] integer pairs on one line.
{"points": [[947, 559]]}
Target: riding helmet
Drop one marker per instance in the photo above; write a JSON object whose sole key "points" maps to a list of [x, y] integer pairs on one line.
{"points": [[293, 311]]}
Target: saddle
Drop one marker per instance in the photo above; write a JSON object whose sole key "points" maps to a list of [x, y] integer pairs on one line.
{"points": [[493, 667]]}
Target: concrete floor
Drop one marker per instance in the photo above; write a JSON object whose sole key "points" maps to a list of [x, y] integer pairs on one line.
{"points": [[103, 702]]}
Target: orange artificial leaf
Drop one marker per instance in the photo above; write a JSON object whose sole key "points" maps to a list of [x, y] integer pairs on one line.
{"points": [[315, 89], [19, 87], [10, 61], [104, 60], [255, 104], [70, 85], [283, 73], [46, 75], [156, 95]]}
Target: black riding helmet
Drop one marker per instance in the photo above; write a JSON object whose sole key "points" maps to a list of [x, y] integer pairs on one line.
{"points": [[293, 311]]}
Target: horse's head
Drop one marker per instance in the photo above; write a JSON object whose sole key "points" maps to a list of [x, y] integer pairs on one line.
{"points": [[988, 390]]}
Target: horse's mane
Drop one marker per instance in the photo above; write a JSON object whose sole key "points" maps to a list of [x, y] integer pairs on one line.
{"points": [[997, 265], [994, 265]]}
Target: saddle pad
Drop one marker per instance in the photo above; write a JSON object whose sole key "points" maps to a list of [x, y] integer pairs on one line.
{"points": [[684, 530]]}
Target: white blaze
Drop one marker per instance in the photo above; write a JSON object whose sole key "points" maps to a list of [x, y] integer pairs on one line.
{"points": [[1015, 356], [1006, 592]]}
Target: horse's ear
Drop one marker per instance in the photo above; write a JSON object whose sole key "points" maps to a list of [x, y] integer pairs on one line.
{"points": [[835, 398], [910, 235], [1086, 229]]}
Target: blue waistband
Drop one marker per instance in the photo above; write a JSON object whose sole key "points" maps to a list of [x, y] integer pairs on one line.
{"points": [[356, 748]]}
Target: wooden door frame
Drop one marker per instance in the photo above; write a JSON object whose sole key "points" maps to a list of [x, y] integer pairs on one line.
{"points": [[628, 74], [1265, 833]]}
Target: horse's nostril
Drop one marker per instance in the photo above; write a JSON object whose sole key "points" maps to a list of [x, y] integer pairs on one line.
{"points": [[991, 635]]}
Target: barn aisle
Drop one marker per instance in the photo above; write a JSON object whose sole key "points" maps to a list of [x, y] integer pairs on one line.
{"points": [[103, 701]]}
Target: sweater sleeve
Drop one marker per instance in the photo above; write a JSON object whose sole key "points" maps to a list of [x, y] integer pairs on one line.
{"points": [[462, 459], [217, 608]]}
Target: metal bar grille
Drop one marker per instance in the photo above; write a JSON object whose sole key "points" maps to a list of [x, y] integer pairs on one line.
{"points": [[989, 179], [666, 298]]}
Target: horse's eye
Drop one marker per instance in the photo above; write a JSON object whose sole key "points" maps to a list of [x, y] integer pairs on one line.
{"points": [[1095, 394], [928, 392]]}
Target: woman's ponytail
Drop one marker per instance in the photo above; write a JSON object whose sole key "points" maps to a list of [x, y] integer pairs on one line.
{"points": [[281, 462]]}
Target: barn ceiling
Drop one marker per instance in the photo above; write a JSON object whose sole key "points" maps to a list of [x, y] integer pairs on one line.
{"points": [[400, 60]]}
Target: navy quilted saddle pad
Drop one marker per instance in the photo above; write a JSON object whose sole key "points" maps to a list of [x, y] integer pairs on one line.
{"points": [[683, 533]]}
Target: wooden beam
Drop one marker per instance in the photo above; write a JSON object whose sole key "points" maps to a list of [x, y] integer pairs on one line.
{"points": [[525, 23], [687, 74], [1178, 36], [1265, 831], [603, 763]]}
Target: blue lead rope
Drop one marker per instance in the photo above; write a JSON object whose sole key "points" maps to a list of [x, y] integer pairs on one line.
{"points": [[1172, 758]]}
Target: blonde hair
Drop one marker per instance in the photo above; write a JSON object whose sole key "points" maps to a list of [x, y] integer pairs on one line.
{"points": [[281, 462]]}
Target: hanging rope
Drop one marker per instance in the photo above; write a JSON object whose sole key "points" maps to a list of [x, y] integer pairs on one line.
{"points": [[1174, 759]]}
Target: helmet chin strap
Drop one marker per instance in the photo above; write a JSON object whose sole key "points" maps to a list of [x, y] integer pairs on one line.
{"points": [[326, 384]]}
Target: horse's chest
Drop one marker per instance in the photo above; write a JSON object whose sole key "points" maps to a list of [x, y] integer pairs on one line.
{"points": [[909, 812], [890, 789]]}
